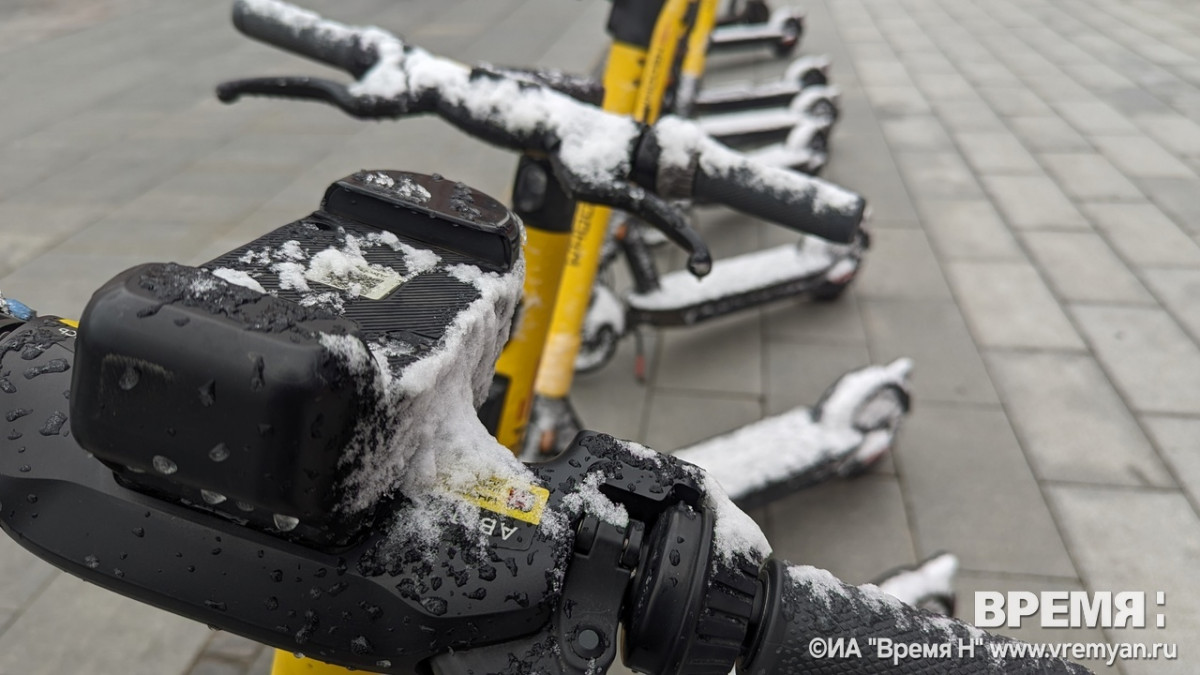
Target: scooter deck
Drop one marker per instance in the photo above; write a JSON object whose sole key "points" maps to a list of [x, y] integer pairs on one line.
{"points": [[732, 36], [743, 281], [802, 159]]}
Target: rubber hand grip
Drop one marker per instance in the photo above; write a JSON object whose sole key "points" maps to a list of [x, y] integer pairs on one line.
{"points": [[306, 34], [688, 160], [808, 613]]}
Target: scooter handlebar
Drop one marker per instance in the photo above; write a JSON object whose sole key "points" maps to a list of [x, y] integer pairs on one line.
{"points": [[809, 620], [307, 34], [688, 163]]}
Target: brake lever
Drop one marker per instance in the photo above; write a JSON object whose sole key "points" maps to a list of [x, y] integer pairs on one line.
{"points": [[648, 206], [315, 89]]}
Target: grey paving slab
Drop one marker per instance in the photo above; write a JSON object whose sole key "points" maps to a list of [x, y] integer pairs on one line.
{"points": [[1175, 132], [71, 626], [1152, 361], [1005, 529], [825, 322], [678, 419], [22, 576], [1143, 235], [964, 115], [1033, 202], [945, 87], [932, 332], [1110, 531], [968, 230], [937, 174], [1008, 305], [1138, 156], [1177, 197], [1087, 176], [1082, 268], [890, 100], [1048, 134], [1178, 440], [1072, 423], [797, 374], [901, 265], [730, 349], [996, 153], [1179, 290], [1094, 117], [612, 399], [1013, 101], [916, 132], [861, 523]]}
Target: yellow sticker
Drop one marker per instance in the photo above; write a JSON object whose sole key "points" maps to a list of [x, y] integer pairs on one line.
{"points": [[70, 322], [518, 501]]}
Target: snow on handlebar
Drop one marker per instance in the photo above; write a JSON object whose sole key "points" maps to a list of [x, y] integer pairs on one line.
{"points": [[599, 156]]}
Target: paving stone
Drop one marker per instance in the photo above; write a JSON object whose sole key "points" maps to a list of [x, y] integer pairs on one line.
{"points": [[937, 175], [996, 153], [932, 333], [967, 230], [1015, 101], [677, 419], [995, 530], [729, 348], [1008, 305], [797, 374], [1033, 202], [1141, 157], [1094, 117], [1143, 235], [216, 667], [76, 627], [1110, 532], [1177, 197], [1048, 134], [861, 162], [825, 322], [22, 576], [1179, 290], [811, 528], [1058, 89], [1072, 423], [1178, 439], [964, 115], [1135, 101], [1178, 134], [1153, 363], [945, 87], [1089, 177], [914, 132], [988, 74], [892, 101], [232, 647], [1082, 268], [882, 73], [901, 264]]}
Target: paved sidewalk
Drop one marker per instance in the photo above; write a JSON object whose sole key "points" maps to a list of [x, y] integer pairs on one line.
{"points": [[1033, 171]]}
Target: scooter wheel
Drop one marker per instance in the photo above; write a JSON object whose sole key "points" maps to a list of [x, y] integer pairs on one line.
{"points": [[597, 350], [813, 77], [790, 39], [824, 109]]}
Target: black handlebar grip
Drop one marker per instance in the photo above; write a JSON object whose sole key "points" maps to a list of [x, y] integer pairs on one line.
{"points": [[781, 196], [307, 34], [678, 160], [810, 620]]}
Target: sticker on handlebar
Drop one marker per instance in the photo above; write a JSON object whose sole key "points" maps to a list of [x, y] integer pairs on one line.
{"points": [[519, 502]]}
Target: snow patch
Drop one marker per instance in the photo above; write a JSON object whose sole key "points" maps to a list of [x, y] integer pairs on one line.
{"points": [[236, 277]]}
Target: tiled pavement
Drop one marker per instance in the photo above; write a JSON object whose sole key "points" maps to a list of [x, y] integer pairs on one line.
{"points": [[1033, 169]]}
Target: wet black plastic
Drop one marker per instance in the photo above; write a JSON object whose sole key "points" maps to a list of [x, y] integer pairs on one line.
{"points": [[198, 389]]}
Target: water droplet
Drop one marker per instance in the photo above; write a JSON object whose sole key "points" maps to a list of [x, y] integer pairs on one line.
{"points": [[674, 556], [244, 506], [92, 561], [120, 574], [213, 604], [383, 663], [219, 453], [298, 655], [272, 603], [277, 575], [216, 551], [129, 379], [139, 532], [54, 424], [286, 523], [208, 393], [435, 606], [164, 465], [211, 497], [24, 468], [361, 645]]}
